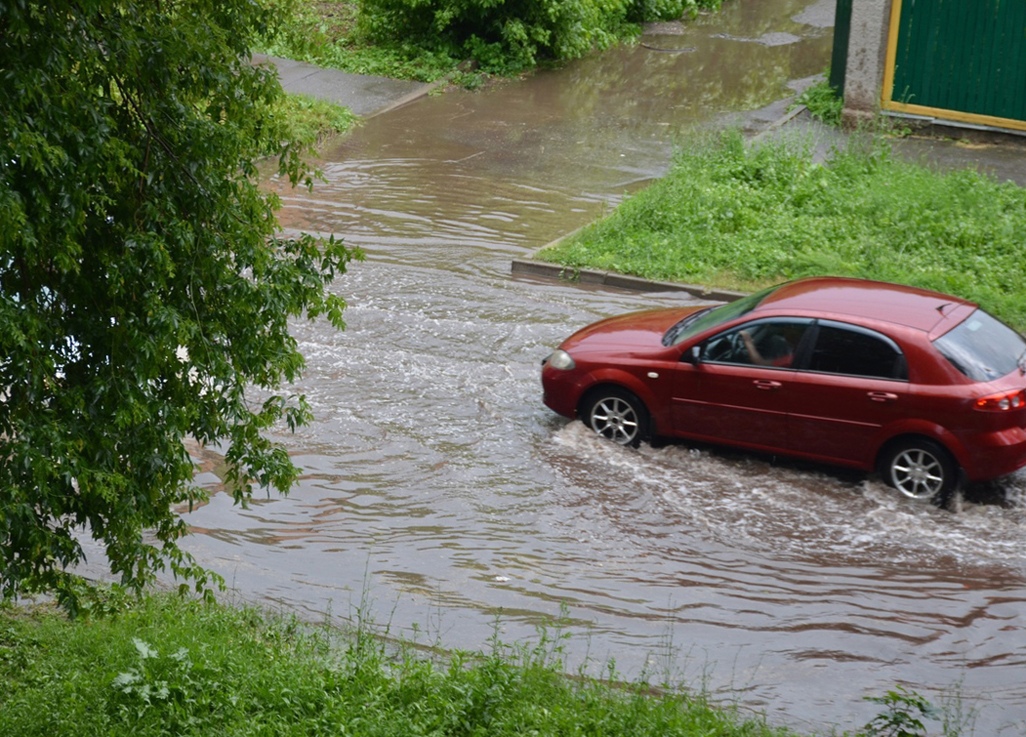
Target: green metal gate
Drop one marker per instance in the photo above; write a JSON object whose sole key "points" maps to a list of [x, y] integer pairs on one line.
{"points": [[842, 32], [959, 60]]}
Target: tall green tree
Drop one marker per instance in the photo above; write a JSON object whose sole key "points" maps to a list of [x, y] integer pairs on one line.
{"points": [[145, 295]]}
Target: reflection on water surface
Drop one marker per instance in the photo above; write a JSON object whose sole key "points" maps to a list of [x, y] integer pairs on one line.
{"points": [[442, 496]]}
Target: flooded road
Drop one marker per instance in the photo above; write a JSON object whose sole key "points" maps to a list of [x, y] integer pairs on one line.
{"points": [[440, 498]]}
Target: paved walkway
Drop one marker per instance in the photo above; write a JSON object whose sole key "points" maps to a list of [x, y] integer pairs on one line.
{"points": [[1001, 155], [365, 95]]}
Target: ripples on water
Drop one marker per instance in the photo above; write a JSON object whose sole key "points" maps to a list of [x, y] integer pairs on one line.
{"points": [[750, 500], [439, 488], [440, 496]]}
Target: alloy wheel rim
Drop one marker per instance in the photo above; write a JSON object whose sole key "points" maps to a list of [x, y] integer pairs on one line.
{"points": [[616, 420], [917, 474]]}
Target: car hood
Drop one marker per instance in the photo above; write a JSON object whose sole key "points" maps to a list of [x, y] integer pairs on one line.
{"points": [[627, 333]]}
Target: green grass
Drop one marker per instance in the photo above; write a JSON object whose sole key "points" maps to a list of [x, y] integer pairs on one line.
{"points": [[823, 102], [312, 120], [325, 33], [740, 217], [167, 666]]}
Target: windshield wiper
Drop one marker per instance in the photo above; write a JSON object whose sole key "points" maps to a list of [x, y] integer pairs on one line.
{"points": [[671, 335]]}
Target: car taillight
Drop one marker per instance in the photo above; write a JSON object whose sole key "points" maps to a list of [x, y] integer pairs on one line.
{"points": [[1002, 402]]}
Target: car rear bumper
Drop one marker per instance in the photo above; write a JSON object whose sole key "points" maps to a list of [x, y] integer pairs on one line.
{"points": [[995, 454]]}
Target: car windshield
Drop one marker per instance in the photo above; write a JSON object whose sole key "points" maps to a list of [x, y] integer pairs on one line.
{"points": [[983, 348], [710, 317]]}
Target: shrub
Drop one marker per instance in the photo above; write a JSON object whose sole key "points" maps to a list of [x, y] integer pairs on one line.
{"points": [[516, 34], [650, 10]]}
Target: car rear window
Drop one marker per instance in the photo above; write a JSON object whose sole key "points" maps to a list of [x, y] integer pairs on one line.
{"points": [[982, 347]]}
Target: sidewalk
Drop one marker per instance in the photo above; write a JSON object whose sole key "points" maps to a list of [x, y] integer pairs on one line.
{"points": [[1000, 155], [365, 95]]}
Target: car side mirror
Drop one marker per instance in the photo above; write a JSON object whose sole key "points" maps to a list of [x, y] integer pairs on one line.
{"points": [[693, 355]]}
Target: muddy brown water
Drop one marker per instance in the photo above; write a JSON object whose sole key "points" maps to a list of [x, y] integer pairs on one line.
{"points": [[441, 498]]}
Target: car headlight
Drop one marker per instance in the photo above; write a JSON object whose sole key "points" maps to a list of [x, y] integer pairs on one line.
{"points": [[561, 360]]}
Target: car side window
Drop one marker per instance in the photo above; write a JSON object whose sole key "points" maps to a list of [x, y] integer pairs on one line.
{"points": [[846, 349], [770, 343]]}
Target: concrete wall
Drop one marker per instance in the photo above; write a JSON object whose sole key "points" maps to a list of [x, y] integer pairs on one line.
{"points": [[867, 51]]}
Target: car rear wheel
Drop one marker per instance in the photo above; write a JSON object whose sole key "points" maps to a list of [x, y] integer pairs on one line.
{"points": [[617, 415], [920, 469]]}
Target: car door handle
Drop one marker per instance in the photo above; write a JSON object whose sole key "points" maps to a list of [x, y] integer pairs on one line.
{"points": [[882, 396], [767, 385]]}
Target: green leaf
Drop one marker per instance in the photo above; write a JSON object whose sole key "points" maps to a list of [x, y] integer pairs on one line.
{"points": [[133, 232]]}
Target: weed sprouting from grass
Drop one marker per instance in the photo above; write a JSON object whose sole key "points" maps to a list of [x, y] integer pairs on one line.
{"points": [[823, 102], [184, 694], [958, 716], [903, 716]]}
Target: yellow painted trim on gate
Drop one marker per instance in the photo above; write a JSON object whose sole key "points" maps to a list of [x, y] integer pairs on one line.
{"points": [[887, 93], [892, 54], [957, 116]]}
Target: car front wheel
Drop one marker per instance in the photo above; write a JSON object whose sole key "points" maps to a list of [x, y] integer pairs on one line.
{"points": [[617, 415], [920, 469]]}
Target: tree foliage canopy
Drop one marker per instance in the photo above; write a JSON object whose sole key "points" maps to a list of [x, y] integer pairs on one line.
{"points": [[144, 290]]}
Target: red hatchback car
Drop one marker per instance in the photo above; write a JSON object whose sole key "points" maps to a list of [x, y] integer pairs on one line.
{"points": [[925, 388]]}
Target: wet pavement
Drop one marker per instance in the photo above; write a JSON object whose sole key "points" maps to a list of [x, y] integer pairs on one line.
{"points": [[1001, 155], [441, 499], [364, 95]]}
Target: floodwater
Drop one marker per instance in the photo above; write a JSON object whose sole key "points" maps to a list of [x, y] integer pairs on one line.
{"points": [[441, 499]]}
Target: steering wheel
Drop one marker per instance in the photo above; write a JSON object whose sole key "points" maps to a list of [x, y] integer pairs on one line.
{"points": [[738, 352]]}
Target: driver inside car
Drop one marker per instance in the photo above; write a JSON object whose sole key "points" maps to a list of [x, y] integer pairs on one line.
{"points": [[772, 350]]}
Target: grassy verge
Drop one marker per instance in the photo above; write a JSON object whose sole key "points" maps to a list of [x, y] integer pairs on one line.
{"points": [[325, 33], [739, 217], [169, 666], [312, 120]]}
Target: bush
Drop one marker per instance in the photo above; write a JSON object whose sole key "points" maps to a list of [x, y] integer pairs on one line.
{"points": [[427, 40], [504, 37], [651, 10]]}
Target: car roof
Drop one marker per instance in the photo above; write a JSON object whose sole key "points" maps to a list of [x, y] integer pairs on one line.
{"points": [[867, 300]]}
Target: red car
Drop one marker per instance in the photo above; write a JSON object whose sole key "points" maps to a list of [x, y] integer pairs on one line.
{"points": [[925, 388]]}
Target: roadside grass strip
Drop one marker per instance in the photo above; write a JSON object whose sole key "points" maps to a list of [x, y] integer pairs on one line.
{"points": [[171, 666]]}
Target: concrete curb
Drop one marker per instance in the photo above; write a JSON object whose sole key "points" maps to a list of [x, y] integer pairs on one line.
{"points": [[780, 122], [555, 272]]}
